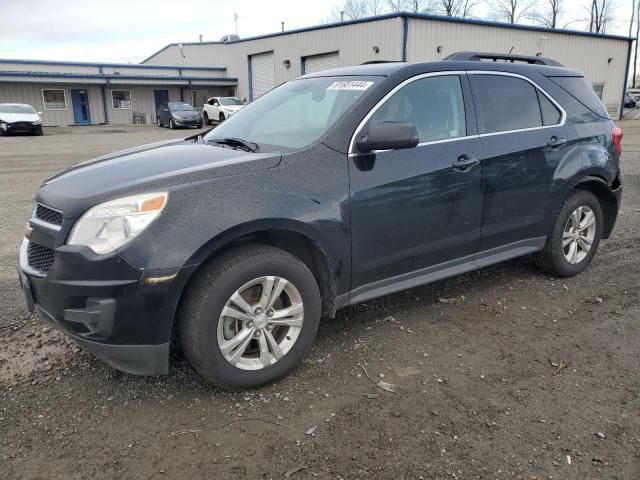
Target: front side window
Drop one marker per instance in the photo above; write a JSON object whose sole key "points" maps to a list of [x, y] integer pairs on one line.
{"points": [[435, 105], [121, 99], [297, 113], [505, 103], [54, 99]]}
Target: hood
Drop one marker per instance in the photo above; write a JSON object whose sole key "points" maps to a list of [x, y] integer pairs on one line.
{"points": [[19, 117], [233, 108], [186, 113], [155, 166]]}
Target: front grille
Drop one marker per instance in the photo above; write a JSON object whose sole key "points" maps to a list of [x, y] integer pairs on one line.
{"points": [[40, 258], [22, 125], [48, 215]]}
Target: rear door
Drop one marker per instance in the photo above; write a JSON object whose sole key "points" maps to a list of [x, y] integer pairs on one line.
{"points": [[417, 208], [523, 139]]}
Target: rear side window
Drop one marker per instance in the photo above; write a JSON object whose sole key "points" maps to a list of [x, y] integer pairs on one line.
{"points": [[505, 103], [550, 113], [579, 89]]}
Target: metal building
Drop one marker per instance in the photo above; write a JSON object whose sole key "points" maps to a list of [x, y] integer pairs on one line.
{"points": [[260, 63], [76, 93]]}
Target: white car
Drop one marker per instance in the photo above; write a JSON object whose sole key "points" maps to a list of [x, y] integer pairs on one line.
{"points": [[220, 108], [19, 117]]}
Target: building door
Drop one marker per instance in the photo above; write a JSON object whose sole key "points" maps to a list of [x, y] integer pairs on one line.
{"points": [[81, 111], [261, 74], [318, 63], [160, 96]]}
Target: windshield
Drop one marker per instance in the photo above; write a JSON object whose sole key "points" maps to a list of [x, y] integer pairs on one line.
{"points": [[230, 101], [297, 113], [180, 107], [17, 109]]}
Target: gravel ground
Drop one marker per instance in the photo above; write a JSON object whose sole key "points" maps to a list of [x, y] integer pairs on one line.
{"points": [[500, 373]]}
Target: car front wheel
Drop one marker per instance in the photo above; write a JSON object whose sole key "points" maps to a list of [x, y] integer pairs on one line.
{"points": [[250, 317], [172, 124], [574, 237], [206, 118], [221, 118]]}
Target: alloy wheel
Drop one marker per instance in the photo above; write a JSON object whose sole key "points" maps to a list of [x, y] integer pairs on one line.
{"points": [[260, 323], [579, 234]]}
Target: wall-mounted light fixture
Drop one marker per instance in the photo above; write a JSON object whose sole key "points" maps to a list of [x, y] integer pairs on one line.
{"points": [[609, 60], [376, 49], [439, 49], [287, 64]]}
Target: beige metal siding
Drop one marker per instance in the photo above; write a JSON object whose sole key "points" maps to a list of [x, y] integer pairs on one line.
{"points": [[32, 94], [588, 54]]}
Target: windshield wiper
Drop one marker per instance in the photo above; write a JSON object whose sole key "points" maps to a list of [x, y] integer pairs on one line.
{"points": [[236, 142]]}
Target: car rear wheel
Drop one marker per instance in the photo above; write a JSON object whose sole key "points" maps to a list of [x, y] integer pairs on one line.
{"points": [[574, 237], [250, 317]]}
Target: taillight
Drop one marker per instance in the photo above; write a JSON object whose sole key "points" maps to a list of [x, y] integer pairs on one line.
{"points": [[616, 137]]}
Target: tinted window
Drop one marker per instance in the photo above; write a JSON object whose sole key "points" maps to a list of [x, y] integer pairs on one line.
{"points": [[550, 113], [579, 89], [505, 103], [180, 106], [434, 105]]}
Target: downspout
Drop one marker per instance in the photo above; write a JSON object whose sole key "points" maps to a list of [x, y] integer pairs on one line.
{"points": [[250, 82], [104, 102], [626, 79], [405, 37]]}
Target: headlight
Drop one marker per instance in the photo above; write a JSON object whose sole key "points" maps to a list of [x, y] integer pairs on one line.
{"points": [[107, 226], [37, 122]]}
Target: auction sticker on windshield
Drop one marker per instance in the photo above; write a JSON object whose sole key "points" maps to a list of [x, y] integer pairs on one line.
{"points": [[350, 85]]}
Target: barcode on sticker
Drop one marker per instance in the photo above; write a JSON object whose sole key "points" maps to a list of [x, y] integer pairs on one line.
{"points": [[350, 85]]}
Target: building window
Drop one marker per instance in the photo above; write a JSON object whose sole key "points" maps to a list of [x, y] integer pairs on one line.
{"points": [[54, 99], [121, 99], [599, 89]]}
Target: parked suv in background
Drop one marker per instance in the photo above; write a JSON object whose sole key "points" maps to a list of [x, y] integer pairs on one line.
{"points": [[19, 118], [332, 189], [178, 114], [221, 108]]}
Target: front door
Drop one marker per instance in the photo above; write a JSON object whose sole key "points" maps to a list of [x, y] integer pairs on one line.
{"points": [[417, 210], [160, 96], [81, 111]]}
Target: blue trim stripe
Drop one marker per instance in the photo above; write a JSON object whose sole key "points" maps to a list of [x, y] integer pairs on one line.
{"points": [[100, 66], [115, 77], [420, 16]]}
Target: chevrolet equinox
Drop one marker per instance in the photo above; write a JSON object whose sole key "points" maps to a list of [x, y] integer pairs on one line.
{"points": [[331, 189]]}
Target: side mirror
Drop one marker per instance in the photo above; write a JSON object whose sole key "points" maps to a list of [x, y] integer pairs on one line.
{"points": [[387, 136]]}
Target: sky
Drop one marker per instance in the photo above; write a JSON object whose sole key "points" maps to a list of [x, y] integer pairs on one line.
{"points": [[131, 30]]}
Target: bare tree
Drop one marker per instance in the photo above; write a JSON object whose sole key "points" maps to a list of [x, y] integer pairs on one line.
{"points": [[376, 7], [355, 9], [549, 15], [600, 15], [418, 6], [454, 8], [510, 11], [398, 5], [633, 11]]}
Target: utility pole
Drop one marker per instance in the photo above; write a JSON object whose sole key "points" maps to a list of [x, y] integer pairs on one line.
{"points": [[282, 26], [235, 19], [341, 15]]}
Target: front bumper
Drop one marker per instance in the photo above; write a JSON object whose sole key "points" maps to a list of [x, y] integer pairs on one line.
{"points": [[20, 127], [191, 122], [110, 308]]}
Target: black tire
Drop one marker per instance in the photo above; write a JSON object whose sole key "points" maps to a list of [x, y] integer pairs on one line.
{"points": [[206, 119], [199, 125], [552, 259], [159, 122], [221, 117], [172, 124], [207, 295], [38, 132]]}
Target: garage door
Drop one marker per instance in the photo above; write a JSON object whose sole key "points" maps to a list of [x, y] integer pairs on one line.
{"points": [[317, 63], [262, 68]]}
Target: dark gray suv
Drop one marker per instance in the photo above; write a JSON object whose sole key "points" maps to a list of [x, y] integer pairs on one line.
{"points": [[331, 189]]}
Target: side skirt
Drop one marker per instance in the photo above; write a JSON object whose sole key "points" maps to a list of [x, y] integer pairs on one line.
{"points": [[440, 271]]}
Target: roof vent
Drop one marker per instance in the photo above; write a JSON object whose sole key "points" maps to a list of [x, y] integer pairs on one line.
{"points": [[230, 38]]}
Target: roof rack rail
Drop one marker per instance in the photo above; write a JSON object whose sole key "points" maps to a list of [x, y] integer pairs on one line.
{"points": [[374, 62], [505, 57]]}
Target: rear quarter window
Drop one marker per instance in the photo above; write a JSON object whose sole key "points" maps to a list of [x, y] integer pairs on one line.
{"points": [[583, 92]]}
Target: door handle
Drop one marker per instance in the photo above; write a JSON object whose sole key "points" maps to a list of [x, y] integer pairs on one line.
{"points": [[464, 163], [555, 142]]}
